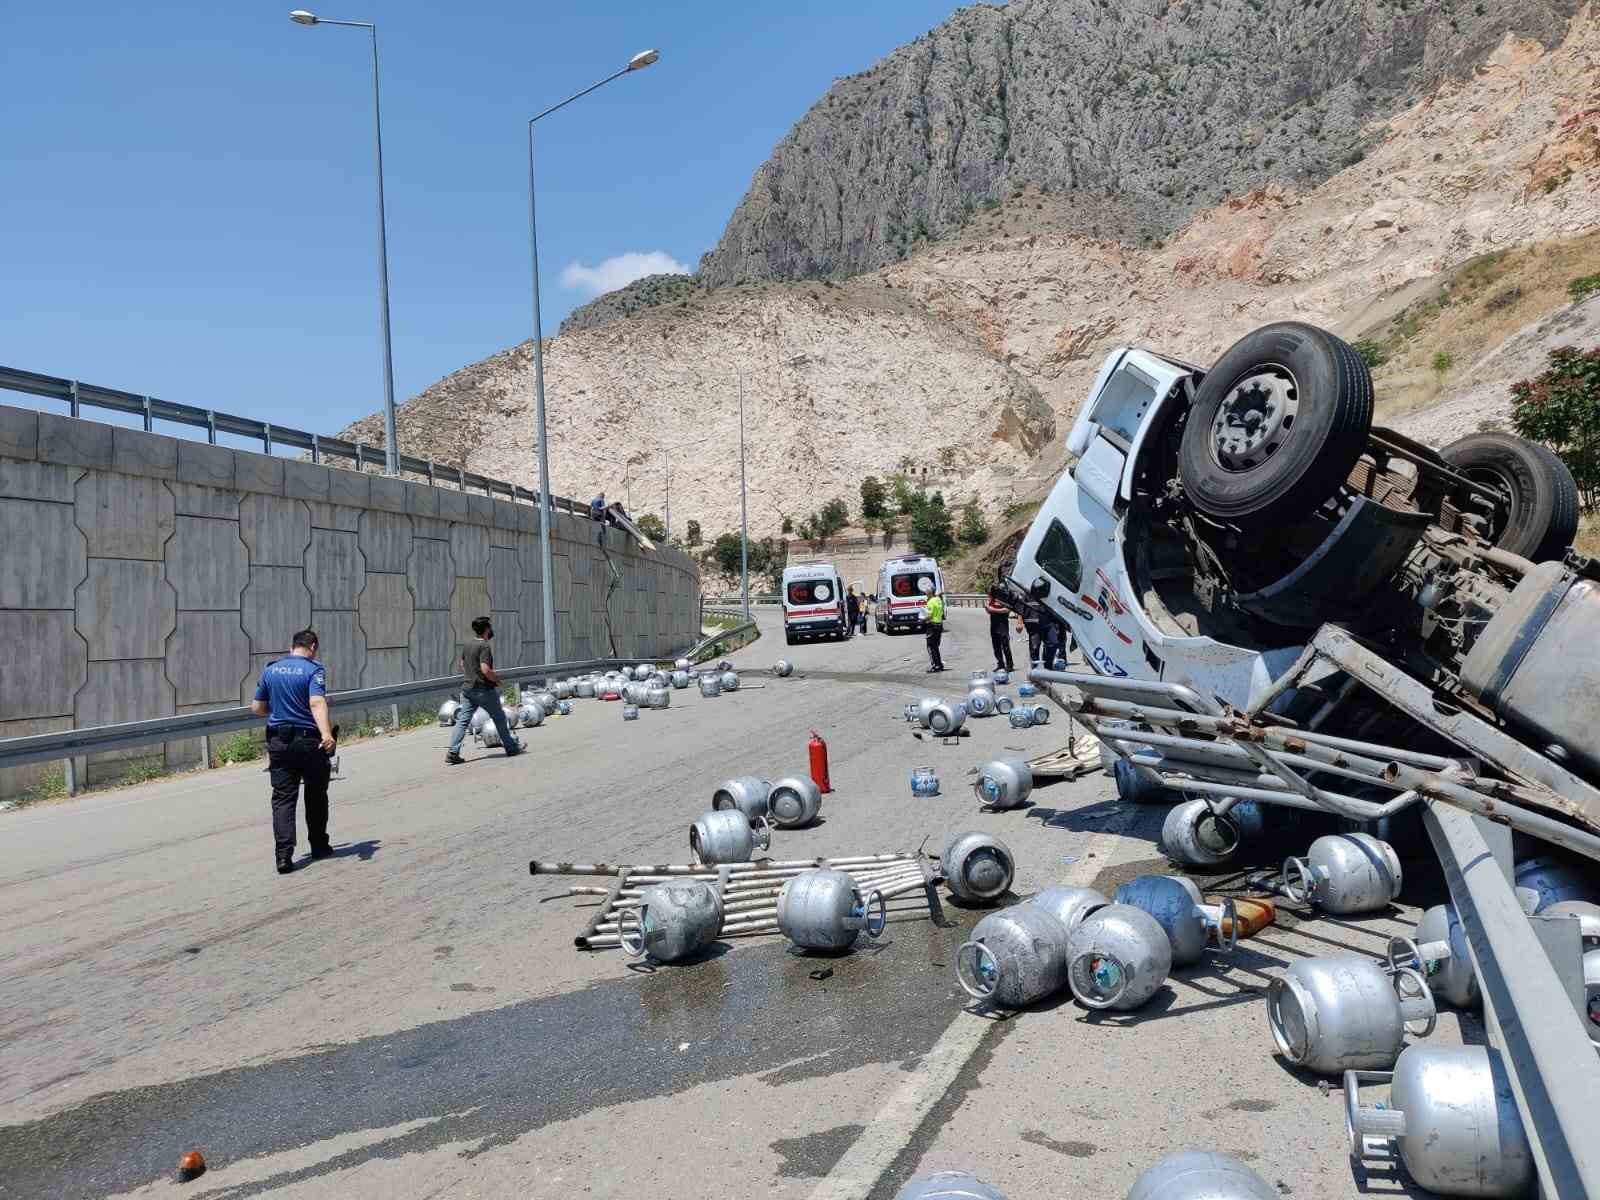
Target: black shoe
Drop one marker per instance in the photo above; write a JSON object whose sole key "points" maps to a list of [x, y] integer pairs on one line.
{"points": [[321, 852], [453, 760], [512, 753], [285, 865]]}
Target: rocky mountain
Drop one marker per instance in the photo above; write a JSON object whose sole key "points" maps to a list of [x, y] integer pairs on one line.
{"points": [[635, 297], [1143, 113]]}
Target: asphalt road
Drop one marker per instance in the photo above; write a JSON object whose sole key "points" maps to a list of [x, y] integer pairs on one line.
{"points": [[410, 1018]]}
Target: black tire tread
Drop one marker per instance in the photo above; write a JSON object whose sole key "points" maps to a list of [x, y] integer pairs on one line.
{"points": [[1551, 534]]}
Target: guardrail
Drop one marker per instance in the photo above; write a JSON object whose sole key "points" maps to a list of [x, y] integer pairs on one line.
{"points": [[707, 646], [951, 599], [78, 396]]}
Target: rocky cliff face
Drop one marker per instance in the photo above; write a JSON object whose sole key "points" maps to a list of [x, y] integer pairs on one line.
{"points": [[1142, 112]]}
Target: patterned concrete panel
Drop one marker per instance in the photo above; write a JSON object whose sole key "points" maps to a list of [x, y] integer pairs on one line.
{"points": [[452, 505], [44, 555], [469, 549], [74, 442], [132, 690], [422, 500], [353, 488], [430, 573], [386, 666], [135, 452], [387, 494], [430, 527], [530, 612], [42, 682], [19, 432], [194, 500], [207, 564], [204, 464], [529, 564], [247, 689], [480, 510], [533, 652], [528, 518], [125, 609], [563, 589], [276, 603], [37, 481], [505, 584], [342, 648], [579, 620], [471, 599], [188, 752], [208, 658], [386, 541], [304, 480], [259, 473], [123, 516], [335, 570], [433, 649], [504, 523], [334, 516], [386, 611], [276, 530], [14, 781], [507, 640]]}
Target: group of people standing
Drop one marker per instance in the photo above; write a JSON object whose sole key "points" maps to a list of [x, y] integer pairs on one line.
{"points": [[1047, 637], [855, 611]]}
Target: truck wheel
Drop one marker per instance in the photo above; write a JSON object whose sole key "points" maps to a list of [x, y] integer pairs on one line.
{"points": [[1276, 425], [1540, 516]]}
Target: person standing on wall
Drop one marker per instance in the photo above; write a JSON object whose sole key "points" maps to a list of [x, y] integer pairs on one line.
{"points": [[999, 629], [292, 695], [933, 618], [481, 690], [852, 610]]}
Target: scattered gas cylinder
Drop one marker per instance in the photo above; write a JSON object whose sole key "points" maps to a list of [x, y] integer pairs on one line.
{"points": [[584, 689], [925, 706], [924, 781], [710, 686], [977, 867], [643, 671], [724, 665], [1440, 953], [1020, 717], [979, 679], [1344, 873], [630, 712], [671, 921], [980, 702], [488, 736], [1038, 714], [728, 836], [1069, 905], [1003, 783], [564, 689], [824, 910], [1003, 705], [480, 720], [530, 715], [1001, 676], [783, 668], [730, 681], [946, 719], [1117, 957], [744, 793], [547, 700], [1345, 1012], [1453, 1116], [564, 707], [794, 802], [1588, 916], [1556, 879], [948, 1185], [1136, 786], [681, 679], [1016, 957], [657, 697], [1027, 690], [1188, 923], [1201, 1175], [1197, 836], [447, 713], [683, 664]]}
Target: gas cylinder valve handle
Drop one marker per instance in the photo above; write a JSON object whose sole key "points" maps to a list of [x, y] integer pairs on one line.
{"points": [[1361, 1123], [1419, 1004], [875, 927], [986, 790], [1403, 952], [1084, 966], [982, 984], [1226, 923], [630, 931], [761, 831], [1308, 880]]}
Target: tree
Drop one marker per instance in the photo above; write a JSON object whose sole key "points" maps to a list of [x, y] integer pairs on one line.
{"points": [[1561, 407], [691, 533], [973, 531], [873, 498], [906, 501], [931, 531], [652, 527], [725, 550], [788, 525], [835, 515]]}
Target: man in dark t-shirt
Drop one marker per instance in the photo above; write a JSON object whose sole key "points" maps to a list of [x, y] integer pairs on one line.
{"points": [[480, 689]]}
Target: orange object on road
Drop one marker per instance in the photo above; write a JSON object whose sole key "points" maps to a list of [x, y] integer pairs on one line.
{"points": [[191, 1166], [1255, 914]]}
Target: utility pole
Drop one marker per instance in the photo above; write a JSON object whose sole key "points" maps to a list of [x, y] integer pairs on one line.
{"points": [[744, 519], [669, 498]]}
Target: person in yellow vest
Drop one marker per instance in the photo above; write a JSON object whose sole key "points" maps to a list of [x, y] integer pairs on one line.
{"points": [[933, 618]]}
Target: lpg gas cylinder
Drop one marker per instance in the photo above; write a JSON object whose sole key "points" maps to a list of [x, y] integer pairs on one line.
{"points": [[671, 921], [1453, 1116], [1137, 785], [1016, 957], [657, 697], [1003, 783], [1345, 1012], [547, 700], [794, 802], [977, 867], [1038, 714], [1117, 957], [1201, 1175], [979, 679], [564, 689], [681, 679], [643, 671], [1020, 717], [1555, 879], [724, 665], [824, 910], [564, 707], [783, 668], [728, 836], [1000, 677], [480, 721], [1440, 952], [1588, 916], [744, 793], [630, 712], [1344, 873], [447, 712], [1188, 924], [710, 686], [730, 681], [948, 1185], [946, 719], [1069, 905], [1027, 690], [1196, 836], [980, 702], [584, 689], [682, 664], [1003, 705], [925, 706], [530, 715]]}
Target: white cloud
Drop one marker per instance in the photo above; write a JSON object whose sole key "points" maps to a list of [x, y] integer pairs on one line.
{"points": [[620, 270]]}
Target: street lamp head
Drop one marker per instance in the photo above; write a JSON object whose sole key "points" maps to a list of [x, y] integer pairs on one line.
{"points": [[642, 59], [301, 17]]}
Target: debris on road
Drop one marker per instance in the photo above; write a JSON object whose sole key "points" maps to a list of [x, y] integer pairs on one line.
{"points": [[191, 1166], [1002, 783]]}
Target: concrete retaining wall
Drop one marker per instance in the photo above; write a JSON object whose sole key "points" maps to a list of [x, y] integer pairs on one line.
{"points": [[143, 575]]}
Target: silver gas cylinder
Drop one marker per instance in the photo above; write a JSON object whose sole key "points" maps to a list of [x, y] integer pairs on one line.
{"points": [[630, 712], [564, 689], [658, 697], [488, 736], [643, 671], [1345, 1012], [1188, 924], [584, 689], [659, 679], [1439, 951], [671, 921], [824, 910], [1117, 957], [999, 677], [783, 668], [633, 693], [724, 665], [1197, 836], [1038, 714], [925, 706], [564, 707], [683, 664], [744, 793], [1453, 1117], [980, 702], [728, 836], [1027, 690], [710, 685], [1201, 1175], [530, 715], [946, 719], [480, 720], [794, 802], [1344, 873], [1020, 717], [547, 700], [1588, 916], [977, 867], [1003, 705], [681, 679], [1069, 905], [948, 1185], [730, 681], [1016, 956], [1556, 879], [1003, 783], [447, 713]]}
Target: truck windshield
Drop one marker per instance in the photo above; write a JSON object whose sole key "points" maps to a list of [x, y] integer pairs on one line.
{"points": [[1058, 555], [1121, 405], [810, 591]]}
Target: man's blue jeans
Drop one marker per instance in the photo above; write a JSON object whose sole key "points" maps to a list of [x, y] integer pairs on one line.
{"points": [[473, 699]]}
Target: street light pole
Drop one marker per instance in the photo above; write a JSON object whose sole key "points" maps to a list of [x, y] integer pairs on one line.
{"points": [[391, 443], [744, 521], [546, 513]]}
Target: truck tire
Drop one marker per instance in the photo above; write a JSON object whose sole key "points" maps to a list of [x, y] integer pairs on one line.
{"points": [[1541, 518], [1276, 425]]}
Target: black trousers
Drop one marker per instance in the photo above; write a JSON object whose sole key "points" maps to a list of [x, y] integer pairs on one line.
{"points": [[1036, 644], [935, 636], [1000, 639], [295, 757]]}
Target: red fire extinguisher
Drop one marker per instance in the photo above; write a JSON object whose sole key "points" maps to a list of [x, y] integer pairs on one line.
{"points": [[819, 762]]}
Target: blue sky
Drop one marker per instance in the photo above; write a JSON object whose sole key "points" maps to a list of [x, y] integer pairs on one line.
{"points": [[187, 205]]}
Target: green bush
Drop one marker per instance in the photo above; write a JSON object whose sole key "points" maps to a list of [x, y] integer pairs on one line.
{"points": [[1584, 285], [932, 531], [1443, 361], [1561, 407], [244, 746], [1370, 353], [143, 770], [973, 531]]}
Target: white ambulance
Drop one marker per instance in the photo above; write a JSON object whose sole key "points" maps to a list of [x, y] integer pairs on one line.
{"points": [[813, 603], [900, 594]]}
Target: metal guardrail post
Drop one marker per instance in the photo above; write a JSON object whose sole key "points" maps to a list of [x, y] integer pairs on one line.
{"points": [[149, 421], [316, 448], [266, 436], [211, 426], [73, 400]]}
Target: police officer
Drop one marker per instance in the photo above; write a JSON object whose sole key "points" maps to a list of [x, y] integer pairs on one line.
{"points": [[293, 696], [933, 617]]}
